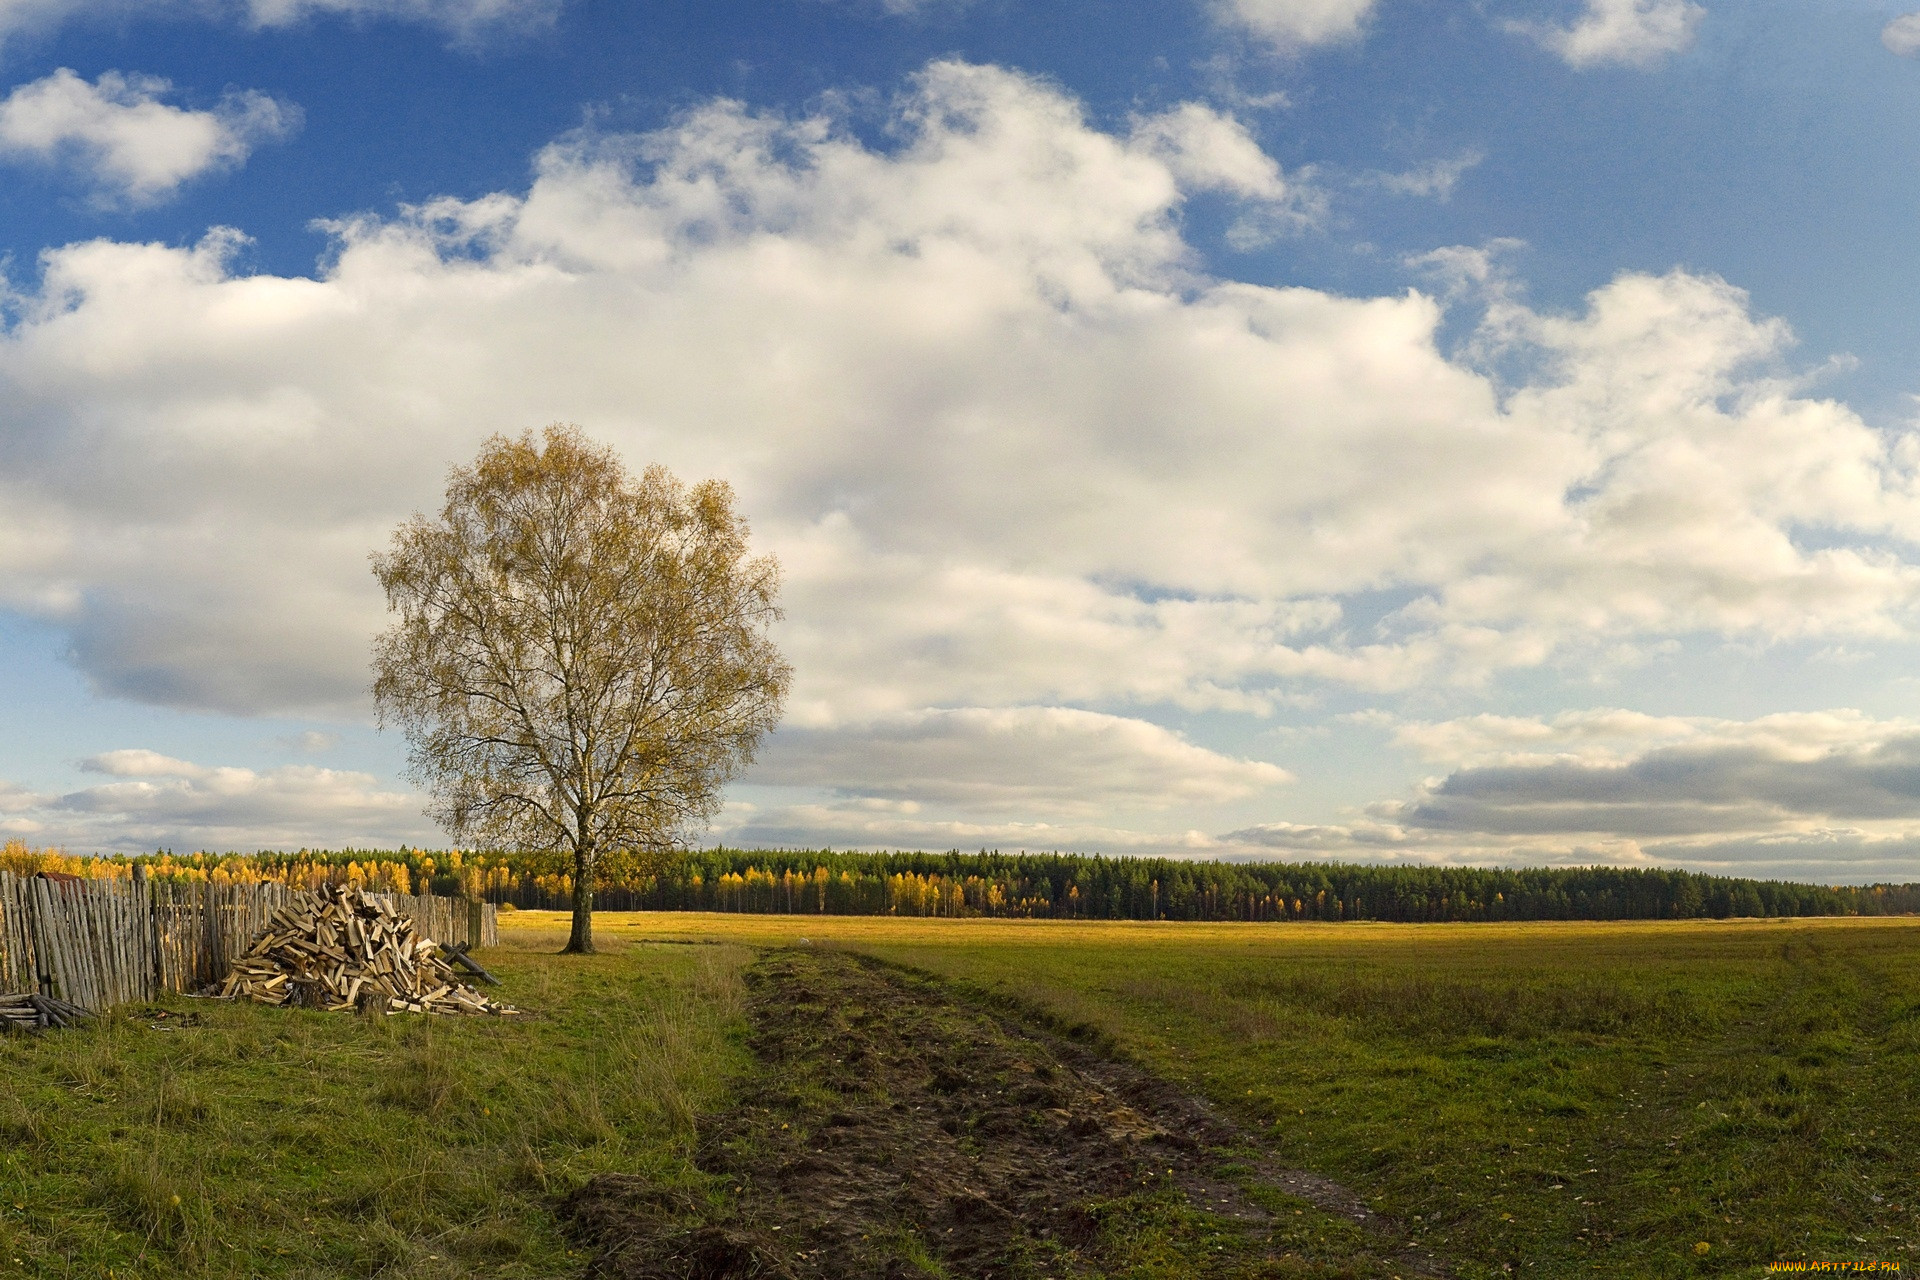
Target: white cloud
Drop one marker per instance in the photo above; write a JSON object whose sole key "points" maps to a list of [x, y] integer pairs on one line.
{"points": [[128, 145], [1611, 735], [1634, 33], [1705, 477], [1435, 179], [156, 801], [1208, 151], [1041, 762], [465, 19], [137, 762], [876, 826], [1012, 446], [456, 15], [1902, 35], [1288, 26]]}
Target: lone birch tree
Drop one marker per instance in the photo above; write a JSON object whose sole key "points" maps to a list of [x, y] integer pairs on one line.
{"points": [[581, 660]]}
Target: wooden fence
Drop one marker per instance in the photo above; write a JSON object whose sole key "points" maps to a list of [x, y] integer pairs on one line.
{"points": [[98, 943], [89, 942]]}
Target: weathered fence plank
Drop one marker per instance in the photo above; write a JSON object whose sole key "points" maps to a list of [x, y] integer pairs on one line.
{"points": [[18, 967]]}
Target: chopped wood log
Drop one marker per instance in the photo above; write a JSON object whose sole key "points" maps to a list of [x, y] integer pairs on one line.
{"points": [[37, 1013], [338, 949]]}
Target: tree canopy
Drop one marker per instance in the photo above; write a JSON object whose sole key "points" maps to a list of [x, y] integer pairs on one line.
{"points": [[581, 660]]}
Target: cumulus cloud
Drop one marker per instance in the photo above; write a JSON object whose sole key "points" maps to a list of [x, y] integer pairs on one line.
{"points": [[1011, 444], [1046, 762], [124, 142], [1288, 26], [1902, 35], [1634, 33], [462, 18], [157, 801], [1206, 150]]}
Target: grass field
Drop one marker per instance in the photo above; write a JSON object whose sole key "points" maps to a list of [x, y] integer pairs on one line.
{"points": [[1545, 1099], [239, 1140], [1541, 1099]]}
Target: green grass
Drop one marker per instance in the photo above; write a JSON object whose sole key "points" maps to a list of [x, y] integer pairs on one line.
{"points": [[272, 1142], [1558, 1104], [1538, 1100]]}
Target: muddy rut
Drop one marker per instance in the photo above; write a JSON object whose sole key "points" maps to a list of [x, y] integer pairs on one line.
{"points": [[895, 1131]]}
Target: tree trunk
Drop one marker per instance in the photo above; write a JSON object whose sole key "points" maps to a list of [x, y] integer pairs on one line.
{"points": [[580, 942]]}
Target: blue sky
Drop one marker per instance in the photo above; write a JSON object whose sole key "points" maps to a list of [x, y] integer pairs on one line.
{"points": [[1381, 429]]}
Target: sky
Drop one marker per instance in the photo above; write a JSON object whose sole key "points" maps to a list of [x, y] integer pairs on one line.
{"points": [[1363, 430]]}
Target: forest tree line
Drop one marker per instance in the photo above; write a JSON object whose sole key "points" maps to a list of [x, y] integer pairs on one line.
{"points": [[1093, 887], [1022, 885]]}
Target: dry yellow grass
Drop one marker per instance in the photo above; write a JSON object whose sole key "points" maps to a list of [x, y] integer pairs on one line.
{"points": [[533, 930]]}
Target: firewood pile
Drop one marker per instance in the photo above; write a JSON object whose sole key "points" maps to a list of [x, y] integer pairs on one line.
{"points": [[37, 1013], [338, 949]]}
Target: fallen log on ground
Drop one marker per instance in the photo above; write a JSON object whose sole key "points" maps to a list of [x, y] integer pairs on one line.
{"points": [[37, 1012], [458, 954]]}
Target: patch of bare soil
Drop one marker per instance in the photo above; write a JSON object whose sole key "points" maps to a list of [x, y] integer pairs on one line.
{"points": [[896, 1132]]}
